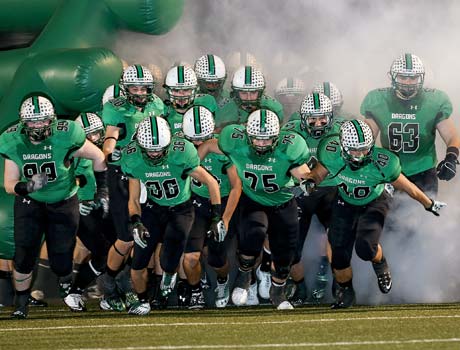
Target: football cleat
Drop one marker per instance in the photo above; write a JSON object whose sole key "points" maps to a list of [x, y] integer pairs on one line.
{"points": [[183, 293], [265, 282], [278, 297], [139, 308], [131, 299], [382, 270], [300, 294], [112, 304], [345, 297], [64, 289], [197, 300], [20, 313], [222, 292], [75, 302], [241, 287], [37, 302], [253, 300]]}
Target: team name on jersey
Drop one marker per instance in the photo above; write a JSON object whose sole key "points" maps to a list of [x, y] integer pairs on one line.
{"points": [[37, 156], [259, 167], [158, 174], [351, 181], [403, 116]]}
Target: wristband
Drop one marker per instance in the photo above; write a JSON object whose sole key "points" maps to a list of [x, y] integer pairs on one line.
{"points": [[451, 151], [216, 210], [21, 188], [135, 219], [110, 138]]}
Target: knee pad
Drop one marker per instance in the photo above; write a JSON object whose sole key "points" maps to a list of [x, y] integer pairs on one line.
{"points": [[217, 261], [24, 261], [246, 264], [340, 259], [365, 250], [281, 272]]}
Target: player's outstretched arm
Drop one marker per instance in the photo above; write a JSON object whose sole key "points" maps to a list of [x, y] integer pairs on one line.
{"points": [[90, 151], [209, 146]]}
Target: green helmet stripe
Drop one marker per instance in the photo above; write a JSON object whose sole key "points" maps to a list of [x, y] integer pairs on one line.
{"points": [[154, 129], [408, 61], [211, 65], [263, 120], [140, 71], [327, 89], [290, 83], [36, 105], [247, 75], [84, 120], [180, 74], [196, 119], [359, 131], [316, 101], [116, 91]]}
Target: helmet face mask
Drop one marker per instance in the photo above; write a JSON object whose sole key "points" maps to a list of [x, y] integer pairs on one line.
{"points": [[153, 137], [198, 124], [248, 85], [357, 143], [37, 118], [138, 85], [316, 116], [93, 127], [181, 85], [407, 75], [263, 131], [211, 74]]}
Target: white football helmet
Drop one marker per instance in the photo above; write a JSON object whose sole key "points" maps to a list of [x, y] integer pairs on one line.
{"points": [[405, 67], [330, 90], [198, 124], [111, 93], [181, 85], [137, 75], [290, 92], [153, 135], [211, 74], [248, 79], [263, 124], [356, 135], [93, 127], [37, 109], [316, 115]]}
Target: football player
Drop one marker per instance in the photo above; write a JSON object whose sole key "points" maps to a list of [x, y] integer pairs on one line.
{"points": [[361, 204]]}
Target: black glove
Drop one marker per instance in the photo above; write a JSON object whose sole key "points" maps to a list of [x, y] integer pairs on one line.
{"points": [[435, 207], [101, 199], [217, 228], [447, 168], [140, 232], [308, 186], [115, 156]]}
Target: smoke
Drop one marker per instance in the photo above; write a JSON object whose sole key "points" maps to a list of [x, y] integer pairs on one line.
{"points": [[352, 44]]}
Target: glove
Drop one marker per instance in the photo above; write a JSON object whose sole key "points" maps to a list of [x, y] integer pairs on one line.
{"points": [[308, 186], [297, 191], [435, 207], [101, 199], [37, 182], [446, 169], [86, 207], [217, 228], [140, 232], [115, 156], [389, 189]]}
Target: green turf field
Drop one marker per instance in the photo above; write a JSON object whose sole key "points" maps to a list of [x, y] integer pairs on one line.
{"points": [[426, 326]]}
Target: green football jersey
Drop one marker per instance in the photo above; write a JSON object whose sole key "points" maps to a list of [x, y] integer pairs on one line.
{"points": [[312, 144], [175, 118], [53, 156], [167, 183], [84, 167], [216, 165], [408, 128], [265, 178], [235, 115], [358, 186], [122, 114]]}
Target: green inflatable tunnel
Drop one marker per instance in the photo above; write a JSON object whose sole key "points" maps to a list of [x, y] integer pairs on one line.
{"points": [[70, 60]]}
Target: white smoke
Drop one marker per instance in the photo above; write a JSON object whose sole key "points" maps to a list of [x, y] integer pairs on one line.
{"points": [[352, 44]]}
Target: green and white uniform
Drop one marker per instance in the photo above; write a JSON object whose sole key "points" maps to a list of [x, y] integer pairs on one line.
{"points": [[53, 156], [408, 128], [359, 186], [265, 178], [167, 183]]}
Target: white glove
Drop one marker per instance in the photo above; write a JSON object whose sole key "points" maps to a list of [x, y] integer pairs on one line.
{"points": [[217, 231], [37, 182], [140, 233], [435, 207], [86, 208], [308, 186], [390, 189]]}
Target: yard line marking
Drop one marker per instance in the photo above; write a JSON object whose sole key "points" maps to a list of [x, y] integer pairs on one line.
{"points": [[250, 323], [286, 345]]}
